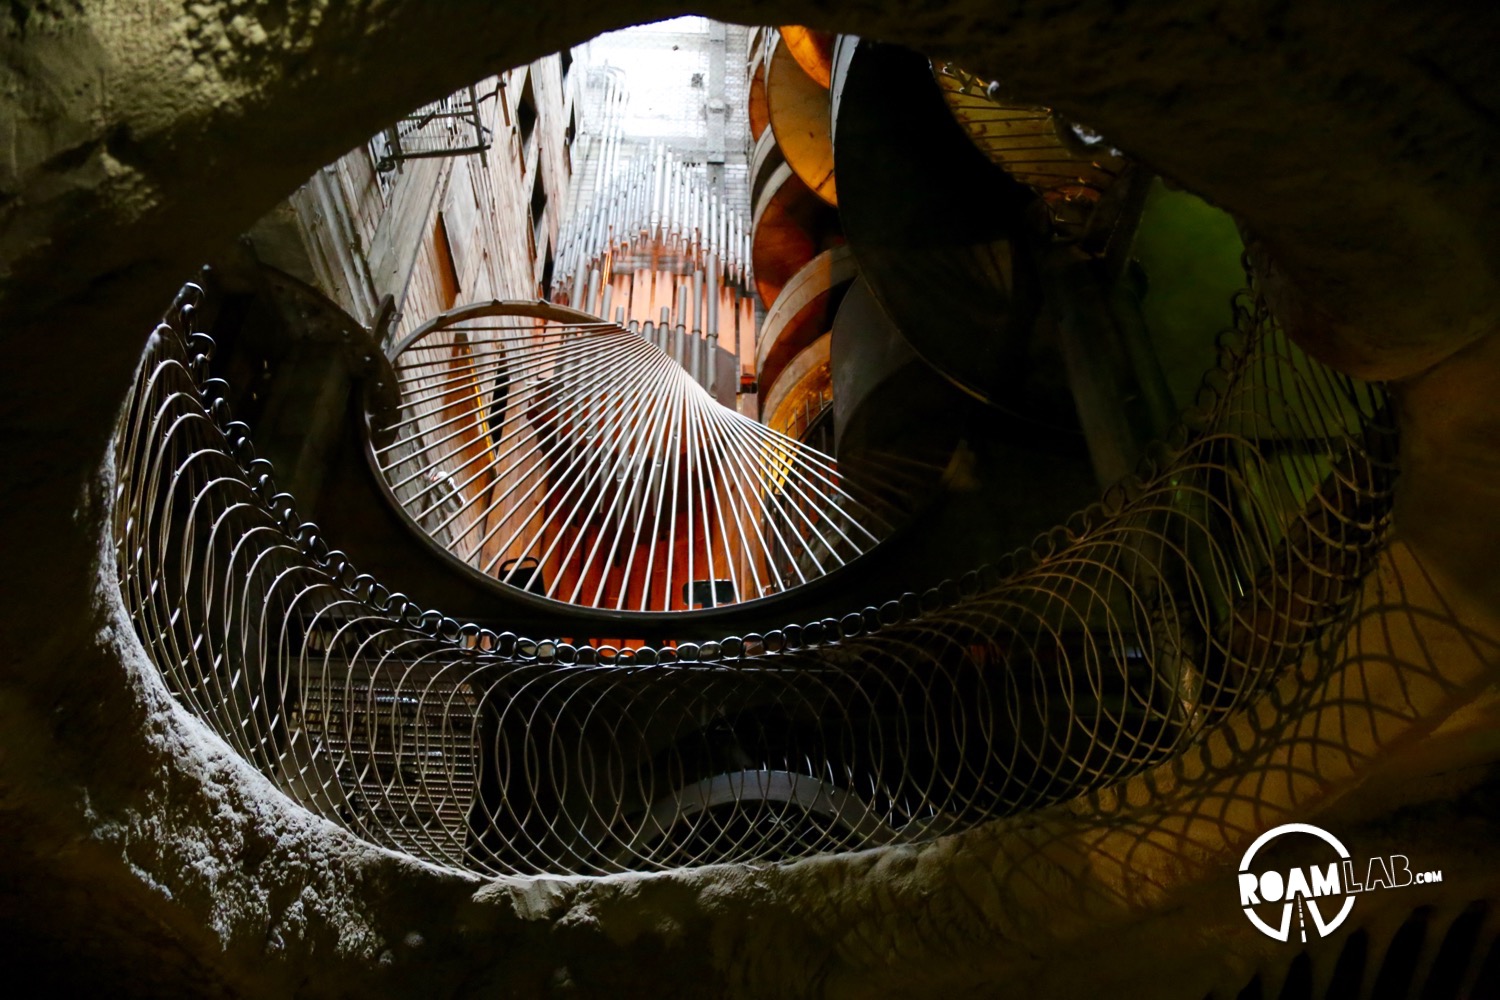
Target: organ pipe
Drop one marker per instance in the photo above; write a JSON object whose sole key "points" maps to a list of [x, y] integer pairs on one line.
{"points": [[649, 208]]}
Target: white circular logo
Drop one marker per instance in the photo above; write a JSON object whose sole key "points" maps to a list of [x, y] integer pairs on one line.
{"points": [[1299, 889]]}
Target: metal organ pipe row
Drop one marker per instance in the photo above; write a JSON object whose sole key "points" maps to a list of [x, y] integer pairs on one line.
{"points": [[653, 236]]}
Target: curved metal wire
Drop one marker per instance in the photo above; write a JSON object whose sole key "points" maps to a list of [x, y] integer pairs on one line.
{"points": [[576, 459], [1110, 646]]}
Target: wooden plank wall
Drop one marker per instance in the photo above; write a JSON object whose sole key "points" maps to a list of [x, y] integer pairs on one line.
{"points": [[365, 239]]}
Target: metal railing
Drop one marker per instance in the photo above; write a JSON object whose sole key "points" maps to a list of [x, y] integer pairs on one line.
{"points": [[449, 126], [816, 404], [1111, 645]]}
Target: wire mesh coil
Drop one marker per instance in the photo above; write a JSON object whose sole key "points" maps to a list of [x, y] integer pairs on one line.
{"points": [[576, 459], [1111, 645]]}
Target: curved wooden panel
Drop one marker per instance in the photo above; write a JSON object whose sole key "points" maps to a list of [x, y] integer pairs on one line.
{"points": [[760, 113], [812, 49], [791, 226], [803, 310], [803, 389], [800, 118], [764, 159]]}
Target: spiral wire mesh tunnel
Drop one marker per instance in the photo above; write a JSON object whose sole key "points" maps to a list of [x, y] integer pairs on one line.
{"points": [[1111, 645]]}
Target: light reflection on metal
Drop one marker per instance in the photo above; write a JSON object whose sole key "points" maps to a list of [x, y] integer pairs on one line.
{"points": [[531, 440], [1112, 645]]}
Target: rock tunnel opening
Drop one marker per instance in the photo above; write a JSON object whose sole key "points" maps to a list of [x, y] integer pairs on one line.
{"points": [[492, 745], [1296, 245]]}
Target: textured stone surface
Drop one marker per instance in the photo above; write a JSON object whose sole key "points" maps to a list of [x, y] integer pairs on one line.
{"points": [[1356, 144]]}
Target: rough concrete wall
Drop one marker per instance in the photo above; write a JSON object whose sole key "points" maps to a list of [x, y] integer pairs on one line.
{"points": [[1356, 144]]}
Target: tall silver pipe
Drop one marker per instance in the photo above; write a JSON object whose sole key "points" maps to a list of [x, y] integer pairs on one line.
{"points": [[697, 357], [680, 328], [593, 293]]}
